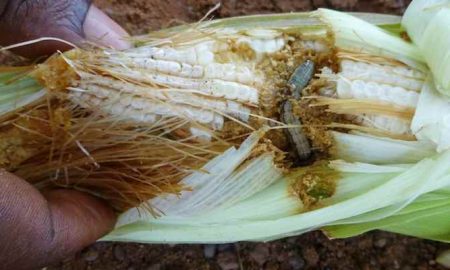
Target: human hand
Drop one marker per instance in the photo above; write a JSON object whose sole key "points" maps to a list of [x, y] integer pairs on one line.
{"points": [[75, 21], [39, 229]]}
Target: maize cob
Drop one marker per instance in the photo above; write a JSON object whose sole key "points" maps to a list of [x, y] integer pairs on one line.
{"points": [[185, 130]]}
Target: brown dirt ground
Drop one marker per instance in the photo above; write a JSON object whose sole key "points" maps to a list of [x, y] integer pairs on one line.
{"points": [[377, 250]]}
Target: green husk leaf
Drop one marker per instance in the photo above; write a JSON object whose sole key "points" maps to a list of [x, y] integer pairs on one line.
{"points": [[413, 220], [427, 24], [17, 91], [348, 147], [358, 35], [300, 22], [359, 198]]}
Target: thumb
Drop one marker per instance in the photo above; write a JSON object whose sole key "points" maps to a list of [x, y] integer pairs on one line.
{"points": [[101, 29], [36, 231]]}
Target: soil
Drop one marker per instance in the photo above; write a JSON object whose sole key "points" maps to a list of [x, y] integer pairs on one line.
{"points": [[376, 250], [140, 16]]}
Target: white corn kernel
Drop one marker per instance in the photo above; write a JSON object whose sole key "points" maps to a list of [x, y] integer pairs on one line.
{"points": [[389, 124], [232, 72], [263, 33], [263, 46], [201, 134], [128, 106], [237, 110], [358, 89], [384, 83], [202, 53], [213, 88], [384, 74], [314, 45]]}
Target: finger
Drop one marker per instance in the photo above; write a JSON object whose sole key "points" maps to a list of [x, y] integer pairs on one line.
{"points": [[77, 221], [36, 231], [102, 30]]}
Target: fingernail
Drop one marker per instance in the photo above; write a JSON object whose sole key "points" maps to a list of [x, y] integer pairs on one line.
{"points": [[102, 30]]}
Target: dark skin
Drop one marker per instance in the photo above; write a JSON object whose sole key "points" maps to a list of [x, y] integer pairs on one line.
{"points": [[38, 229], [75, 21]]}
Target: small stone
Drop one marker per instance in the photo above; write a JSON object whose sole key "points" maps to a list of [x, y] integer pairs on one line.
{"points": [[118, 252], [209, 251], [396, 264], [227, 261], [90, 255], [381, 243], [154, 267], [260, 254], [311, 256], [373, 262], [296, 263]]}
